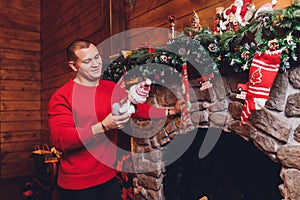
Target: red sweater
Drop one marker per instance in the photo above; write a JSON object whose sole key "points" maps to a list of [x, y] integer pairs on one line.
{"points": [[87, 160]]}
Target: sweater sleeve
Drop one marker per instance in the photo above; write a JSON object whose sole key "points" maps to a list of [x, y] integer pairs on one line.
{"points": [[64, 134], [147, 111]]}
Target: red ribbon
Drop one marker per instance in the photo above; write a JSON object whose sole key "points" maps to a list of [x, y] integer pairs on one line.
{"points": [[147, 45]]}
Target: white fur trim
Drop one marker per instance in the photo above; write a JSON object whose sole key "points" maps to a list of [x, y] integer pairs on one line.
{"points": [[264, 68], [260, 93], [259, 103], [259, 88]]}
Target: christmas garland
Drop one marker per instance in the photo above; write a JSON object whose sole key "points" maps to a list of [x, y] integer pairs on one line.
{"points": [[236, 49], [210, 53], [144, 62]]}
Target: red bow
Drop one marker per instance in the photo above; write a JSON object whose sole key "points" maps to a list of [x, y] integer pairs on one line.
{"points": [[127, 193], [151, 49]]}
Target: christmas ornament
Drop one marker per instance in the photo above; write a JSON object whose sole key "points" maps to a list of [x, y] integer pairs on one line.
{"points": [[263, 70], [185, 115], [219, 21], [242, 88], [125, 53], [195, 23], [205, 82], [171, 19]]}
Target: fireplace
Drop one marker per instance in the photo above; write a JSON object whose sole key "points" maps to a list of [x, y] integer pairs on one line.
{"points": [[259, 160], [234, 169]]}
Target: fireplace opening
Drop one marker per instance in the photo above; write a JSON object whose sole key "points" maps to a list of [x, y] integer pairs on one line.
{"points": [[235, 169]]}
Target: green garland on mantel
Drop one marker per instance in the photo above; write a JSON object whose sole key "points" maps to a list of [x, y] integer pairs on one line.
{"points": [[230, 51], [238, 48]]}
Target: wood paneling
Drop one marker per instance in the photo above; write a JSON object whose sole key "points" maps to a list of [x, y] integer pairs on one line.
{"points": [[12, 170], [20, 19], [20, 80], [22, 5], [61, 23], [19, 106], [22, 85], [23, 115], [13, 74]]}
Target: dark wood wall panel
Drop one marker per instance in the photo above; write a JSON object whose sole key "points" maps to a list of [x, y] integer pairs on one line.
{"points": [[32, 6], [20, 80], [63, 22], [20, 19]]}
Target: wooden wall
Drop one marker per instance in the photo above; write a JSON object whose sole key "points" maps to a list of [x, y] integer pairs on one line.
{"points": [[20, 119], [63, 22]]}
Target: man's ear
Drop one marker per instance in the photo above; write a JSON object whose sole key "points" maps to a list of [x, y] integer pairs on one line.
{"points": [[72, 65]]}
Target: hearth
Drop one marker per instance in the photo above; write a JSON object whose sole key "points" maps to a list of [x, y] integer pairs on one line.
{"points": [[235, 169]]}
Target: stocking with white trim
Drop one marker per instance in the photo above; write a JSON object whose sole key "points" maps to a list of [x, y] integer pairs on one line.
{"points": [[263, 71]]}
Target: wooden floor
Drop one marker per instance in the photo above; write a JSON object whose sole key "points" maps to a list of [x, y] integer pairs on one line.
{"points": [[12, 189]]}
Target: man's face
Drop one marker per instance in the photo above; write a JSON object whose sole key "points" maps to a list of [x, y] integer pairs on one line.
{"points": [[88, 64]]}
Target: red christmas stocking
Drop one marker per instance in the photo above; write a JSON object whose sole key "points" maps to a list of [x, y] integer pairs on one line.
{"points": [[263, 70]]}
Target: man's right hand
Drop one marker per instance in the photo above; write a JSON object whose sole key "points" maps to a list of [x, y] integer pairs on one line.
{"points": [[116, 121]]}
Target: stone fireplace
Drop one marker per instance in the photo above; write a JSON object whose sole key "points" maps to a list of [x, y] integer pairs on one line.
{"points": [[273, 131]]}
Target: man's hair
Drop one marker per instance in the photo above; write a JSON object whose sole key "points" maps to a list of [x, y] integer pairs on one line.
{"points": [[75, 45]]}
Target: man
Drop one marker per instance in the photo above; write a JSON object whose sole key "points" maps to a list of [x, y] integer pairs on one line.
{"points": [[84, 129]]}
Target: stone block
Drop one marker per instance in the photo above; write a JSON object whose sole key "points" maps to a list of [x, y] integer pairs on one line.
{"points": [[149, 182], [292, 108], [218, 119], [294, 77], [235, 110], [266, 143], [200, 117], [291, 179], [219, 106], [246, 130], [278, 92], [289, 156], [297, 133], [271, 124]]}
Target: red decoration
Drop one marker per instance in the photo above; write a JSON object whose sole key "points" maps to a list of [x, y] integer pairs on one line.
{"points": [[263, 71], [148, 46], [171, 19], [185, 116]]}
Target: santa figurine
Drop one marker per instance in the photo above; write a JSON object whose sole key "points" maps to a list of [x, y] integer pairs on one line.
{"points": [[241, 10], [137, 94]]}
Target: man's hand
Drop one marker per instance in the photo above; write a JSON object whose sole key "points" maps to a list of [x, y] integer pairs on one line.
{"points": [[111, 122], [115, 121]]}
